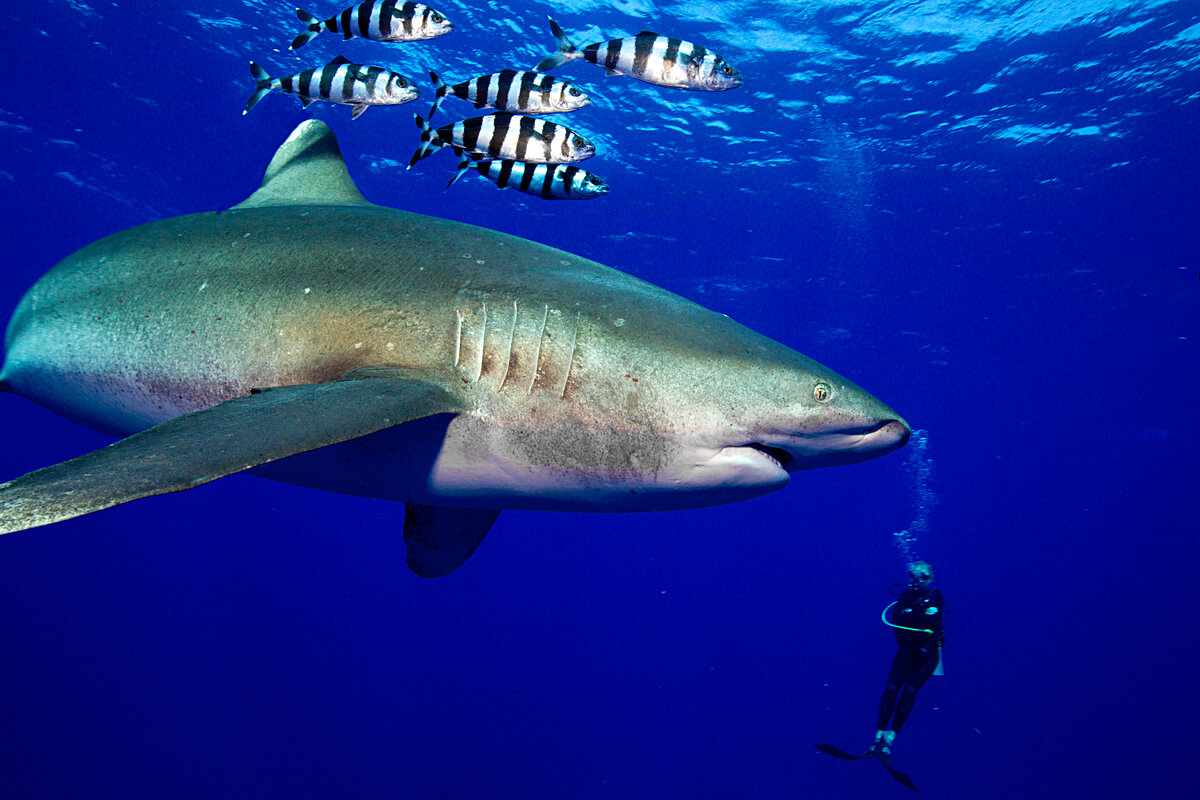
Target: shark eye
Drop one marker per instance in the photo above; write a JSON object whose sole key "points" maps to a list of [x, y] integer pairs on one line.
{"points": [[822, 392]]}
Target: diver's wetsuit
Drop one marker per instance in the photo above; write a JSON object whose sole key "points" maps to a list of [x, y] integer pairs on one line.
{"points": [[917, 656]]}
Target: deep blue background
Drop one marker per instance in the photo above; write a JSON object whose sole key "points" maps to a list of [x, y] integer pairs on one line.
{"points": [[1027, 295]]}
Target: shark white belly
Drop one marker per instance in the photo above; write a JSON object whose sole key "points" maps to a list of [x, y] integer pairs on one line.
{"points": [[328, 342]]}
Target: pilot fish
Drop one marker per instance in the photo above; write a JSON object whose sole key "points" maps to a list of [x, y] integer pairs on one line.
{"points": [[650, 57], [503, 135], [513, 90], [381, 20], [339, 81], [551, 181]]}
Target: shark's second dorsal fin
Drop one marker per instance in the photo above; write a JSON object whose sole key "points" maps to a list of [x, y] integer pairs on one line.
{"points": [[307, 170]]}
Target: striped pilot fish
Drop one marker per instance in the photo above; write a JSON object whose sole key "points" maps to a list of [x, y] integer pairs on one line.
{"points": [[381, 20], [357, 85], [551, 181], [661, 60], [517, 137], [513, 90]]}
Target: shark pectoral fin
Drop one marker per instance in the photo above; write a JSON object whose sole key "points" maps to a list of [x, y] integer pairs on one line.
{"points": [[229, 437], [440, 539]]}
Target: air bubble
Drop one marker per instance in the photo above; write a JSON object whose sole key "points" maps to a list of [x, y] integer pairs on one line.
{"points": [[919, 467]]}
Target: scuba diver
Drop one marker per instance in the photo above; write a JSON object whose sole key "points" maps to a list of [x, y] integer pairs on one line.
{"points": [[917, 622]]}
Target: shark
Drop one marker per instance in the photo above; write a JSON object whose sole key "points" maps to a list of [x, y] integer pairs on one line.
{"points": [[309, 336]]}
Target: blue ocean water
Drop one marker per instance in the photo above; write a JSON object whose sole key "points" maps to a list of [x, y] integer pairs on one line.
{"points": [[983, 213]]}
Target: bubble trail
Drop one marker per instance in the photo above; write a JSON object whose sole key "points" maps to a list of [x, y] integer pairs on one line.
{"points": [[919, 468]]}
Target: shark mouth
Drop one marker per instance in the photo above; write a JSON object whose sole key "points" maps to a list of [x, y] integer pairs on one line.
{"points": [[834, 447], [777, 454]]}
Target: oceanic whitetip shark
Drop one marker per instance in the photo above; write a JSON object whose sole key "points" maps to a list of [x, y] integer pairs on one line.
{"points": [[315, 338]]}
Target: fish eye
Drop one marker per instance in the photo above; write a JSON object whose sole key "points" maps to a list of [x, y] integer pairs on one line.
{"points": [[822, 392], [578, 141], [401, 83], [574, 92], [436, 17], [728, 70]]}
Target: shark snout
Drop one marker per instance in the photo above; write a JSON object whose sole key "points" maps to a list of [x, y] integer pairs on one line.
{"points": [[889, 435]]}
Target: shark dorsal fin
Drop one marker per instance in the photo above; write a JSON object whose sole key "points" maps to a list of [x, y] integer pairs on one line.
{"points": [[307, 170]]}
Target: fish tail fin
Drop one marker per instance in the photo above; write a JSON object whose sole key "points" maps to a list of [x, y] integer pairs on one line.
{"points": [[566, 51], [313, 28], [428, 141], [262, 86], [560, 38], [441, 90], [464, 164]]}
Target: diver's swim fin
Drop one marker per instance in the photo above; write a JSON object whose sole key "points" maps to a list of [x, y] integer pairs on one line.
{"points": [[884, 759], [829, 749]]}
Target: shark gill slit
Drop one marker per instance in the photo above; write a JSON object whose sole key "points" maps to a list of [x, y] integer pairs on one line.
{"points": [[512, 334], [537, 356], [482, 340], [458, 338], [571, 357]]}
